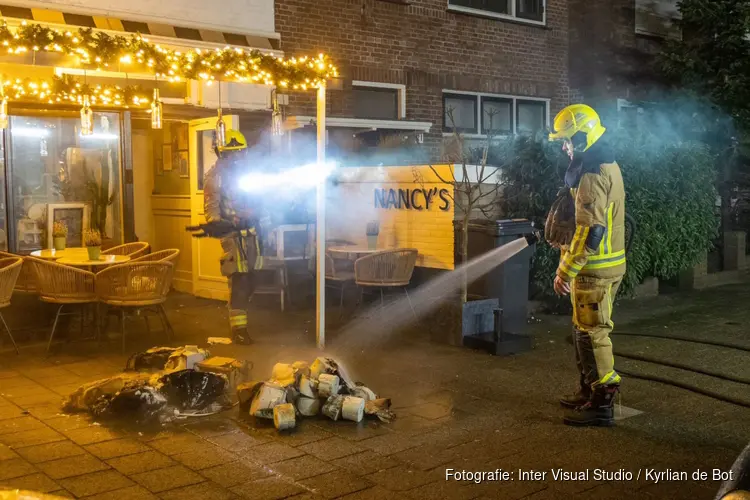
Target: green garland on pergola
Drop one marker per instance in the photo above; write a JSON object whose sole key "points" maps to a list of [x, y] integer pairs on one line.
{"points": [[97, 50]]}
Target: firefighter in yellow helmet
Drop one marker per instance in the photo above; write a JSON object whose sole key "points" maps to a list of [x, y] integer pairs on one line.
{"points": [[225, 202], [587, 223]]}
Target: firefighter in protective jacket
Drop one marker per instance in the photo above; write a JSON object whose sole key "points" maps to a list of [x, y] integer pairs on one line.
{"points": [[225, 202], [588, 221]]}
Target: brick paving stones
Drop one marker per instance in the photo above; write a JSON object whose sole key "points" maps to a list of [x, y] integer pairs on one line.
{"points": [[499, 412], [33, 482], [15, 467], [332, 448], [204, 457], [234, 473], [90, 435], [129, 493], [269, 453], [366, 462], [336, 484], [202, 491], [403, 478], [302, 467], [271, 488], [141, 462], [96, 482], [116, 448], [51, 451], [69, 467], [167, 478]]}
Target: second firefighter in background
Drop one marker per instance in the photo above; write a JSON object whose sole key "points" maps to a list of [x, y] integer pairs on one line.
{"points": [[226, 202], [587, 223]]}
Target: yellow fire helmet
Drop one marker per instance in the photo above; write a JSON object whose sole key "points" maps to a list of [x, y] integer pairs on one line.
{"points": [[578, 118], [234, 141]]}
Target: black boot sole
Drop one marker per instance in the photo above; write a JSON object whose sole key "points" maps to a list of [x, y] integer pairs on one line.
{"points": [[571, 406], [599, 422]]}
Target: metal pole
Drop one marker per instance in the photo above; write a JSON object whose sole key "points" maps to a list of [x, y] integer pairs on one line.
{"points": [[320, 225]]}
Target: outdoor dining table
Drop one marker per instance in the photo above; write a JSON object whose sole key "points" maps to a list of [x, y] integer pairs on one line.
{"points": [[51, 254], [352, 251], [82, 260]]}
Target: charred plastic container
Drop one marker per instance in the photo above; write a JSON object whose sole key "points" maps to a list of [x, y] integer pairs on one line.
{"points": [[505, 289]]}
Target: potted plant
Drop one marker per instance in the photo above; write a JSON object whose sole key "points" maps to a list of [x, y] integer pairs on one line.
{"points": [[93, 241], [373, 229], [59, 235]]}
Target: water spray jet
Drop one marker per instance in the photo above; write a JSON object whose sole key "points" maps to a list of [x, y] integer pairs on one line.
{"points": [[362, 331]]}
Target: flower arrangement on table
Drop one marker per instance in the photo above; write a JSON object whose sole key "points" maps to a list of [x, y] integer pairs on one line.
{"points": [[93, 242], [59, 235]]}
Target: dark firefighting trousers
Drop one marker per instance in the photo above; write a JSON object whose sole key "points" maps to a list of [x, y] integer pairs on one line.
{"points": [[241, 288], [592, 318]]}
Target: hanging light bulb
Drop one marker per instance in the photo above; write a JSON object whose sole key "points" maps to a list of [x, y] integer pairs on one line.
{"points": [[221, 130], [4, 113], [156, 111], [276, 118], [87, 117]]}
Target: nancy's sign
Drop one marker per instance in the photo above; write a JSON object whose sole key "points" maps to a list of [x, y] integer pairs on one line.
{"points": [[413, 199]]}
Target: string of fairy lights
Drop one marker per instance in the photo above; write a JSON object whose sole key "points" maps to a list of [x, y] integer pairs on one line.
{"points": [[99, 51]]}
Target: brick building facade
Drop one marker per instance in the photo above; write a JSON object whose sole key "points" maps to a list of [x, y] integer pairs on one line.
{"points": [[612, 47], [403, 62]]}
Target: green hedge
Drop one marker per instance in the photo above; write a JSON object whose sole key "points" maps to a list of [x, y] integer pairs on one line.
{"points": [[670, 190]]}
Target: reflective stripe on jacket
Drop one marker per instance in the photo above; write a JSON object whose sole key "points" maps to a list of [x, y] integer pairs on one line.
{"points": [[600, 200]]}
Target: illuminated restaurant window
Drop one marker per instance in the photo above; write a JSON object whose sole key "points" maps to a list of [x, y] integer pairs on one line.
{"points": [[54, 169]]}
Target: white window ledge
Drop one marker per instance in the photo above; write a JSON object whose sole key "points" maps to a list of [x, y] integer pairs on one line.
{"points": [[496, 15], [477, 136], [294, 122]]}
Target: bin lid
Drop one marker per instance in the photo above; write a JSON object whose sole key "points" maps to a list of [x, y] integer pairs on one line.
{"points": [[511, 227], [505, 227]]}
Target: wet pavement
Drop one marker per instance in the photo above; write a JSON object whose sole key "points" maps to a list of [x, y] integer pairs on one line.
{"points": [[457, 409]]}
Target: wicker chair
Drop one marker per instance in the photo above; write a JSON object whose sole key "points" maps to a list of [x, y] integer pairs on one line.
{"points": [[170, 255], [26, 282], [386, 269], [65, 286], [132, 250], [338, 279], [139, 287], [10, 268]]}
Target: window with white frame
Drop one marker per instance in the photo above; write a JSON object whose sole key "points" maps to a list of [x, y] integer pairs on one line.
{"points": [[525, 10], [379, 101], [483, 114], [628, 115]]}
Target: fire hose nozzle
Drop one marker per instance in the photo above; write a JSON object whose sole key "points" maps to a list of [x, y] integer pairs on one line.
{"points": [[533, 238]]}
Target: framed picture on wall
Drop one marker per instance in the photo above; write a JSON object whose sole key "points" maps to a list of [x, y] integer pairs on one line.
{"points": [[74, 215], [184, 165], [180, 132], [166, 156]]}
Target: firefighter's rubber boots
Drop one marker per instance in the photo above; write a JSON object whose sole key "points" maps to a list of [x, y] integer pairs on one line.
{"points": [[599, 410], [584, 388]]}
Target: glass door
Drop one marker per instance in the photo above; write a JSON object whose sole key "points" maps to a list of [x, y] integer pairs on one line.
{"points": [[207, 279]]}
